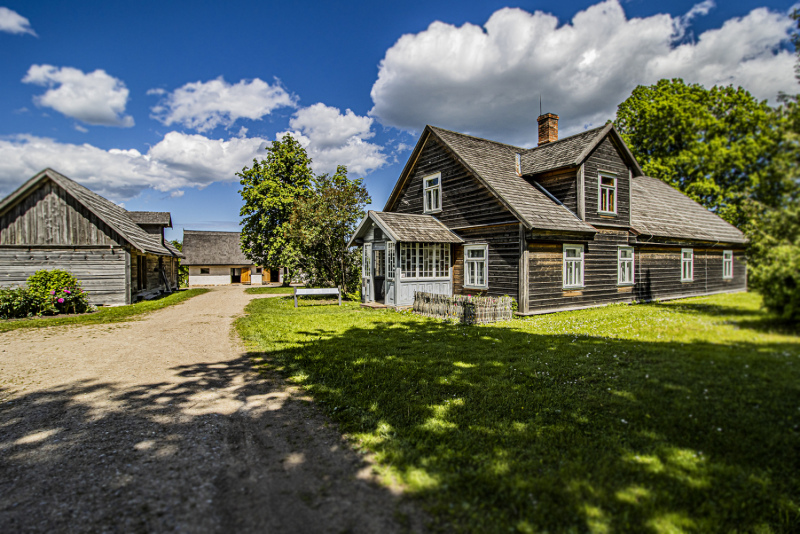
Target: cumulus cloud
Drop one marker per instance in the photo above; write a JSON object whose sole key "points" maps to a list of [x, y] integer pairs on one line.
{"points": [[334, 138], [487, 80], [13, 22], [203, 106], [179, 161], [93, 98]]}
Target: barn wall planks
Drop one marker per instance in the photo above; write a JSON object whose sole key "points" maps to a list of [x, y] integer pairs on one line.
{"points": [[503, 260], [101, 271], [606, 157], [49, 216], [465, 201]]}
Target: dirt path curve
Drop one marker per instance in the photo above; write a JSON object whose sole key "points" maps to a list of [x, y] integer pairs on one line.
{"points": [[161, 425]]}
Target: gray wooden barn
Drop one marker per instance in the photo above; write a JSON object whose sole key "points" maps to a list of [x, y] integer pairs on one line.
{"points": [[52, 222]]}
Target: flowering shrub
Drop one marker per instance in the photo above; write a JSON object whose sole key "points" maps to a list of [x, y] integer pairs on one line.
{"points": [[59, 292], [19, 302]]}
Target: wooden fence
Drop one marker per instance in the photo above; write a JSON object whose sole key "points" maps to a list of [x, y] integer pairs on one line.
{"points": [[463, 308]]}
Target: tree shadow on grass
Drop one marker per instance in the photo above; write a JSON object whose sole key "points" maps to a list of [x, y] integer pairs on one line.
{"points": [[495, 428], [755, 320], [218, 448]]}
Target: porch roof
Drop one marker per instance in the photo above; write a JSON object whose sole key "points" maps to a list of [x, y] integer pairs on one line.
{"points": [[406, 227]]}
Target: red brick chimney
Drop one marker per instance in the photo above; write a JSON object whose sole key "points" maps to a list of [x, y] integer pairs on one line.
{"points": [[548, 128]]}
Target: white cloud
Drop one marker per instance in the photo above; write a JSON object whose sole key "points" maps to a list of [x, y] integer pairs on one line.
{"points": [[94, 98], [13, 22], [333, 138], [487, 81], [203, 106], [179, 161]]}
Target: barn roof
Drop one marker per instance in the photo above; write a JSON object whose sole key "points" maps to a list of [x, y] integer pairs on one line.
{"points": [[408, 228], [213, 248], [114, 216], [157, 218], [658, 209]]}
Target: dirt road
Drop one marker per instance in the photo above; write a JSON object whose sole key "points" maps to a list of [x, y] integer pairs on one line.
{"points": [[161, 425]]}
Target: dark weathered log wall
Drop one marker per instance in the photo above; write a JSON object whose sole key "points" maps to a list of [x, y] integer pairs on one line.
{"points": [[503, 264], [101, 271], [465, 201], [49, 216], [606, 157], [564, 186]]}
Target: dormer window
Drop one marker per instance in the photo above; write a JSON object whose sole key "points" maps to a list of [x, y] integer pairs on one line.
{"points": [[433, 192], [607, 201]]}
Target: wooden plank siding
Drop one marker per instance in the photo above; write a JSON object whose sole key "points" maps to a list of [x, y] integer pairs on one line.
{"points": [[465, 201], [606, 157], [49, 216], [563, 185], [503, 260], [153, 277], [100, 270]]}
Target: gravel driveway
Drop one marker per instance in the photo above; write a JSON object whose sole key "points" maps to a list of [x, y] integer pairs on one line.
{"points": [[161, 425]]}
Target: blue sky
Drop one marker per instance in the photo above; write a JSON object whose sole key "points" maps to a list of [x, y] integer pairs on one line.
{"points": [[157, 105]]}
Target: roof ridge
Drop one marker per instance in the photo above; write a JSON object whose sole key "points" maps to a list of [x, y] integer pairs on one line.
{"points": [[478, 138], [553, 143]]}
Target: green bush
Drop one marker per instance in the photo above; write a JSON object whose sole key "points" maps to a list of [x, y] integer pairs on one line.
{"points": [[18, 302], [59, 292], [779, 281]]}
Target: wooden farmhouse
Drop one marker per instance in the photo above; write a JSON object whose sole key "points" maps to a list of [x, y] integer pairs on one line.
{"points": [[570, 224], [52, 222], [216, 258]]}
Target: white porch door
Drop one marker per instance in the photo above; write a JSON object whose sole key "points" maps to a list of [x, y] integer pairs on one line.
{"points": [[366, 273]]}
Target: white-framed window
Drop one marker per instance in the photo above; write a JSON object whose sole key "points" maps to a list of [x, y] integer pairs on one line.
{"points": [[366, 267], [625, 266], [727, 264], [433, 192], [390, 266], [573, 266], [687, 265], [607, 194], [476, 266], [424, 260]]}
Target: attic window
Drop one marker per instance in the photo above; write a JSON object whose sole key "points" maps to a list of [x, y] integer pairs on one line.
{"points": [[607, 201], [433, 192]]}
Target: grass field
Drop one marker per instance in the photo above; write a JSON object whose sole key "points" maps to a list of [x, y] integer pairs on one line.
{"points": [[264, 290], [104, 315], [667, 417]]}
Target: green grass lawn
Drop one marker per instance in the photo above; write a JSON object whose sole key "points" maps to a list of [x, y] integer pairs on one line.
{"points": [[104, 315], [264, 290], [666, 417]]}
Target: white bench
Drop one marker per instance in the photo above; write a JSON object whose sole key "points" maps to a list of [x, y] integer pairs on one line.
{"points": [[300, 291]]}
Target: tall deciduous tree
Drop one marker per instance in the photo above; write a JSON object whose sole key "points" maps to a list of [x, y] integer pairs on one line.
{"points": [[321, 225], [270, 190], [716, 145]]}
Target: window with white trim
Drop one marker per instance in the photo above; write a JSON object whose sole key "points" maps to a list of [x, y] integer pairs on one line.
{"points": [[475, 266], [607, 194], [433, 192], [366, 270], [390, 266], [625, 266], [425, 260], [687, 265], [727, 264], [573, 266]]}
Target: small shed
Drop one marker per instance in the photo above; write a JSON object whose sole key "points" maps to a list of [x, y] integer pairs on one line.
{"points": [[403, 253], [216, 258]]}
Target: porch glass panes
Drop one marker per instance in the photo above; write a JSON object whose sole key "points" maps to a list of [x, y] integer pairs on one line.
{"points": [[380, 263], [425, 260], [390, 261]]}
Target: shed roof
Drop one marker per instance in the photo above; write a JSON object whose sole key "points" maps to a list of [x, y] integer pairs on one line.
{"points": [[159, 218], [213, 248], [408, 228], [658, 209], [114, 216]]}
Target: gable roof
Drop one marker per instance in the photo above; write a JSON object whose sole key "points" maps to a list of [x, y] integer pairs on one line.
{"points": [[213, 248], [159, 218], [407, 228], [114, 216], [658, 209], [493, 164], [571, 151]]}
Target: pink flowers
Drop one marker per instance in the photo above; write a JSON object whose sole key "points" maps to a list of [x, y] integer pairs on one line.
{"points": [[68, 292], [53, 292], [60, 301]]}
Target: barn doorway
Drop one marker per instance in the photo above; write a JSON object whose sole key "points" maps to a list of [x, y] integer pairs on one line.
{"points": [[236, 275], [274, 276]]}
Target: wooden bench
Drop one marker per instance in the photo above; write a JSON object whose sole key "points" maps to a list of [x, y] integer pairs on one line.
{"points": [[300, 291]]}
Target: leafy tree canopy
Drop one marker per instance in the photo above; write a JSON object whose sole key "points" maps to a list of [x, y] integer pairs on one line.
{"points": [[716, 145], [270, 190]]}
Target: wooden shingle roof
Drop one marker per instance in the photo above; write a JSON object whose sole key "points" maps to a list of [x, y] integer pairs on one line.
{"points": [[158, 218], [407, 228], [213, 248], [114, 216], [658, 209], [494, 164]]}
